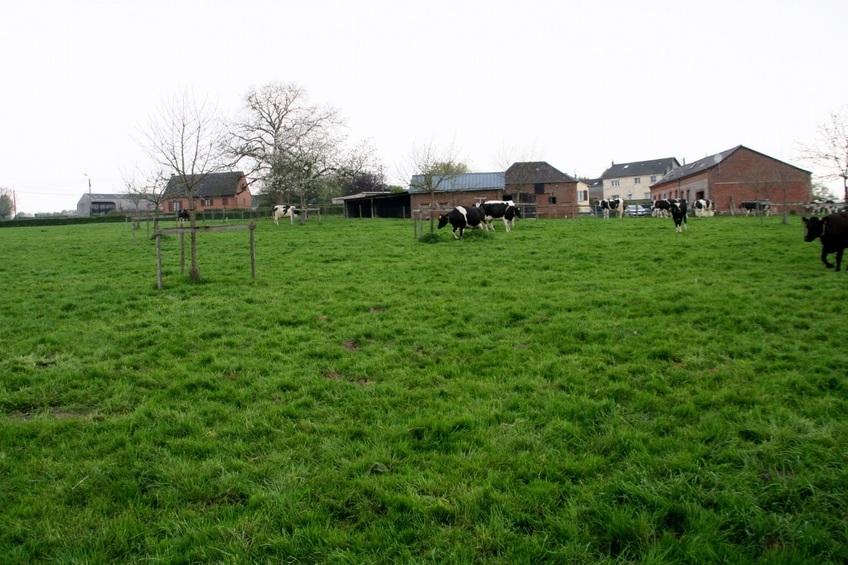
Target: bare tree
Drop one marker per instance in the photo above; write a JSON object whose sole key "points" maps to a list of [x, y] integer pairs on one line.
{"points": [[146, 187], [830, 151], [433, 169], [289, 146], [187, 138]]}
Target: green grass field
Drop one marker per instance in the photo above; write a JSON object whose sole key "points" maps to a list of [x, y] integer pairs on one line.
{"points": [[576, 391]]}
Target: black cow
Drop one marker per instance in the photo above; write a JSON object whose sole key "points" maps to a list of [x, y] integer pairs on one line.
{"points": [[182, 215], [503, 209], [615, 204], [462, 217], [756, 206], [833, 231], [661, 208], [679, 214]]}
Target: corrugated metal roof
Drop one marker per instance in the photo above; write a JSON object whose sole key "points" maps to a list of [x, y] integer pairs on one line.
{"points": [[463, 182]]}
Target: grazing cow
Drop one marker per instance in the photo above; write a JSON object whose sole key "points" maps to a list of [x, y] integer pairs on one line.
{"points": [[756, 206], [462, 217], [503, 209], [833, 231], [704, 208], [661, 208], [679, 214], [183, 215], [285, 211], [615, 204]]}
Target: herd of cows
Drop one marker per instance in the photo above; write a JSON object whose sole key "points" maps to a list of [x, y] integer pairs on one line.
{"points": [[831, 229]]}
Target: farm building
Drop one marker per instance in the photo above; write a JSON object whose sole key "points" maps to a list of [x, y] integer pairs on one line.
{"points": [[539, 190], [376, 205], [542, 191], [632, 181], [736, 175], [463, 189], [213, 191], [99, 204]]}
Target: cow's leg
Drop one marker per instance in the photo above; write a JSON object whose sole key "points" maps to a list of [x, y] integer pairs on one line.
{"points": [[839, 259], [506, 224], [827, 263]]}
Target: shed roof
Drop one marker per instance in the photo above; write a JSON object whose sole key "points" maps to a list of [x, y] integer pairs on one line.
{"points": [[207, 186], [463, 182]]}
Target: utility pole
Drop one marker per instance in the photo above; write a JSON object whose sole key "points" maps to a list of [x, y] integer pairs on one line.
{"points": [[90, 203]]}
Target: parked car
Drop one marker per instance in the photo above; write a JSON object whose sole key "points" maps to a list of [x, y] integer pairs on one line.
{"points": [[637, 210]]}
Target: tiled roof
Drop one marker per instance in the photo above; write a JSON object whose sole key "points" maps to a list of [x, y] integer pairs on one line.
{"points": [[641, 168], [535, 172], [209, 186], [697, 166]]}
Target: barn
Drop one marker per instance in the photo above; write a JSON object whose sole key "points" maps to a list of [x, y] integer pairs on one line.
{"points": [[99, 204], [462, 189], [542, 191], [736, 175]]}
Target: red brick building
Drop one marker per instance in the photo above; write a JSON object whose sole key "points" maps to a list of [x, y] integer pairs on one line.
{"points": [[213, 191], [736, 175], [542, 191]]}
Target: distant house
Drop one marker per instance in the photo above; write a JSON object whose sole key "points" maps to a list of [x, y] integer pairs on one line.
{"points": [[463, 189], [99, 204], [632, 181], [542, 191], [212, 191], [736, 175]]}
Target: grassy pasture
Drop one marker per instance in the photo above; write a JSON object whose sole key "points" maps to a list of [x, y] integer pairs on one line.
{"points": [[581, 391]]}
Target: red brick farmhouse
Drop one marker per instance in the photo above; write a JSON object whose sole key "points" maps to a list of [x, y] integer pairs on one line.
{"points": [[736, 175]]}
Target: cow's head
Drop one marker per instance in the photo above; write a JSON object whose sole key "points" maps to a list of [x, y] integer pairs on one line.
{"points": [[517, 211], [443, 221], [813, 228]]}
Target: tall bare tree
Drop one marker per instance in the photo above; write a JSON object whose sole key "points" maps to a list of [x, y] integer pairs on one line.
{"points": [[288, 146], [830, 150], [187, 137]]}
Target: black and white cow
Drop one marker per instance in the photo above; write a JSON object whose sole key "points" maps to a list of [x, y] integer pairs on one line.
{"points": [[463, 217], [756, 206], [833, 232], [820, 207], [615, 204], [499, 209], [183, 215], [661, 208], [679, 213], [704, 208], [285, 211]]}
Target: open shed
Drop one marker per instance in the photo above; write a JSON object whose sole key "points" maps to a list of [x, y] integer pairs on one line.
{"points": [[376, 205]]}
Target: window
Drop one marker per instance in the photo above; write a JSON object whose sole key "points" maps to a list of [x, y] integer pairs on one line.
{"points": [[614, 183], [653, 178], [206, 202], [551, 199], [637, 180], [225, 201], [582, 195], [540, 188]]}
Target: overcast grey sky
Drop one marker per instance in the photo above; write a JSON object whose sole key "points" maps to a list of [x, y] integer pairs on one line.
{"points": [[578, 84]]}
